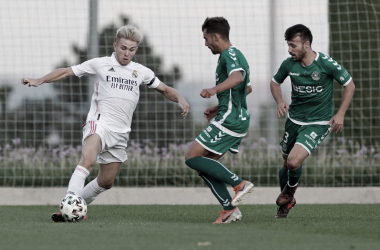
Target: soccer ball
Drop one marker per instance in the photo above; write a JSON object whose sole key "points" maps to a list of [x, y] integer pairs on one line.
{"points": [[73, 208]]}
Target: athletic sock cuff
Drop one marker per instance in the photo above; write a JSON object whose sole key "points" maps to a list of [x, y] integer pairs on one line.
{"points": [[96, 188], [81, 171], [194, 162]]}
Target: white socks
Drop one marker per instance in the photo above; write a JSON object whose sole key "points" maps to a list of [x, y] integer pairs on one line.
{"points": [[77, 180], [91, 191]]}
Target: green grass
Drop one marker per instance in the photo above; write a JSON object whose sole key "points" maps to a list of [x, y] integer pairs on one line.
{"points": [[189, 227]]}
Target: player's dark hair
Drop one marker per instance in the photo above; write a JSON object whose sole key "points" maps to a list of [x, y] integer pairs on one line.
{"points": [[299, 30], [218, 25]]}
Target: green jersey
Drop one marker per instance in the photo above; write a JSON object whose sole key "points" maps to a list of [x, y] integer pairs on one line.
{"points": [[312, 88], [233, 116]]}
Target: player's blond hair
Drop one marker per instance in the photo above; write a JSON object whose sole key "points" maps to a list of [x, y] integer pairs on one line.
{"points": [[129, 32]]}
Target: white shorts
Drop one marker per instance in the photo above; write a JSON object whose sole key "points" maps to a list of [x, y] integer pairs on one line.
{"points": [[114, 145]]}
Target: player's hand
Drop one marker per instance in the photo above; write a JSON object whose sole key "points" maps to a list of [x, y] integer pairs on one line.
{"points": [[182, 103], [31, 82], [282, 109], [211, 112], [207, 93], [337, 123]]}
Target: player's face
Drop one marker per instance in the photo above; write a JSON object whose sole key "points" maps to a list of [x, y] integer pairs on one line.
{"points": [[210, 42], [296, 48], [125, 50]]}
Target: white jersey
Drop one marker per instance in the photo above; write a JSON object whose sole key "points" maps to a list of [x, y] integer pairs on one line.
{"points": [[116, 90]]}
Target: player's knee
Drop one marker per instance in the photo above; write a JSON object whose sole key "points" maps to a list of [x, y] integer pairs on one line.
{"points": [[87, 164], [106, 184], [293, 163], [189, 155]]}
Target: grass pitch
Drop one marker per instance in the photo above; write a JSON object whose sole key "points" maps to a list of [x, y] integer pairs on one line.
{"points": [[190, 227]]}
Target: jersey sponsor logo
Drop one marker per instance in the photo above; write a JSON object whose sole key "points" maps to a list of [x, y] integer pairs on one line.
{"points": [[310, 138], [203, 139], [313, 135], [208, 135], [316, 76], [208, 129], [134, 74], [309, 144], [121, 83], [111, 69], [341, 78], [121, 80], [294, 74], [307, 89]]}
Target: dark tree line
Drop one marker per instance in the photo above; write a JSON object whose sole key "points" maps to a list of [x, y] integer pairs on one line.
{"points": [[155, 118]]}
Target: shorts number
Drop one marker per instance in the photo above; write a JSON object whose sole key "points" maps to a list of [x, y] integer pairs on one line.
{"points": [[241, 116], [286, 137]]}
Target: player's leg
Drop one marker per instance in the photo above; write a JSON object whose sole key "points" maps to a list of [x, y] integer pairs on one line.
{"points": [[90, 149], [204, 161], [104, 181], [294, 163], [283, 173], [110, 160], [203, 156]]}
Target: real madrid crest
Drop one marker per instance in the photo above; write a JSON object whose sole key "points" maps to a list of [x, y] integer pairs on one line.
{"points": [[134, 74], [316, 76]]}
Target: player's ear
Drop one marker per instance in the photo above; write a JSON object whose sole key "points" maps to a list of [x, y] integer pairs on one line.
{"points": [[307, 44], [215, 37], [114, 46]]}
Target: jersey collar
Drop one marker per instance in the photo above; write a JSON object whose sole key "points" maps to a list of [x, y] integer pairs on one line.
{"points": [[316, 58], [113, 58]]}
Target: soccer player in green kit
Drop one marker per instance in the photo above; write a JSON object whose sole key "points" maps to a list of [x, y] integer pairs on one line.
{"points": [[310, 114], [229, 121]]}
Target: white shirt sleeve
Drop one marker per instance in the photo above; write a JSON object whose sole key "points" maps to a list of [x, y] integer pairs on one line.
{"points": [[150, 79], [87, 68]]}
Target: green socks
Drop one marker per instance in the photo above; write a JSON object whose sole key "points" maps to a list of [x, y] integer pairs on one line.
{"points": [[213, 169], [220, 191], [283, 176], [294, 176]]}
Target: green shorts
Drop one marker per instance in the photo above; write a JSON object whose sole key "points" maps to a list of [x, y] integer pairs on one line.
{"points": [[216, 141], [308, 136]]}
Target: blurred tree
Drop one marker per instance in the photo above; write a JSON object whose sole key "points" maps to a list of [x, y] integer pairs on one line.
{"points": [[155, 118]]}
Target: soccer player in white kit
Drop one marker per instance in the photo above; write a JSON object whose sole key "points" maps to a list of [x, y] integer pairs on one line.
{"points": [[116, 93]]}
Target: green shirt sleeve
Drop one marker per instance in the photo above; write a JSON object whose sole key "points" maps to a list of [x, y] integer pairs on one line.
{"points": [[232, 62], [337, 71], [282, 73]]}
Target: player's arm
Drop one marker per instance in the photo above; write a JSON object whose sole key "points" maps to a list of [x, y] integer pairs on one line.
{"points": [[174, 96], [249, 90], [233, 80], [213, 111], [337, 120], [282, 107], [53, 76]]}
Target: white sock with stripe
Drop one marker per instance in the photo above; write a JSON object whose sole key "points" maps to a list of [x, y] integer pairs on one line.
{"points": [[77, 180], [91, 191]]}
